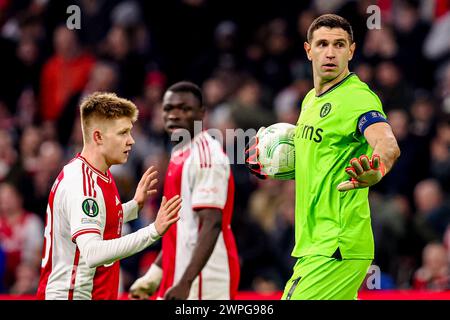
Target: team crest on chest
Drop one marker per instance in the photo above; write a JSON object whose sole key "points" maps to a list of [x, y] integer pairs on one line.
{"points": [[90, 207], [325, 110]]}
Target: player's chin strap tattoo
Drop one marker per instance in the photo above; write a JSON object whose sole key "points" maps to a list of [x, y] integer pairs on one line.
{"points": [[363, 173], [251, 158]]}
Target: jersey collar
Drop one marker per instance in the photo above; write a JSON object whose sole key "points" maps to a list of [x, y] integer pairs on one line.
{"points": [[99, 173], [336, 85]]}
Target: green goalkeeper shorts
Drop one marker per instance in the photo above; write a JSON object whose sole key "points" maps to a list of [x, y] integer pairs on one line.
{"points": [[325, 278]]}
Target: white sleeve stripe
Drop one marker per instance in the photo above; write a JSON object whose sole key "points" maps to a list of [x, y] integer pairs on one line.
{"points": [[93, 184], [208, 151], [83, 231], [201, 154], [84, 179], [88, 181]]}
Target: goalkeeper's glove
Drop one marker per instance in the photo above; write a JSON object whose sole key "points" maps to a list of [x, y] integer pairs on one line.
{"points": [[363, 173], [146, 285], [251, 157]]}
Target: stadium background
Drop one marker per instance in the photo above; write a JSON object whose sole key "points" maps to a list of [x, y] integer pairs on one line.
{"points": [[248, 57]]}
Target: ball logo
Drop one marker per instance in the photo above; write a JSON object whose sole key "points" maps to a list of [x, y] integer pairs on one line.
{"points": [[326, 108], [90, 207]]}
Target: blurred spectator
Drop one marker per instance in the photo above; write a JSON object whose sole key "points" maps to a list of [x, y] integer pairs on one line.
{"points": [[443, 88], [433, 209], [95, 21], [10, 167], [64, 74], [224, 54], [437, 44], [216, 91], [131, 66], [50, 158], [102, 77], [380, 44], [154, 86], [247, 109], [393, 91], [423, 118], [283, 235], [29, 145], [21, 237], [411, 32], [412, 166], [434, 274], [276, 73], [389, 222], [9, 86], [287, 102], [365, 72], [440, 155]]}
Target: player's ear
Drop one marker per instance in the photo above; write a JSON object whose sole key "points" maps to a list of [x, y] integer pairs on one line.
{"points": [[307, 47], [97, 136], [352, 51]]}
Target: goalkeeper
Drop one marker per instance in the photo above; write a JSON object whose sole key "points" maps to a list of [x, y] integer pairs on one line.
{"points": [[343, 145]]}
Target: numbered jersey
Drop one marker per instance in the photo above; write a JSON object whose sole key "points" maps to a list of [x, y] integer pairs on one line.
{"points": [[82, 200]]}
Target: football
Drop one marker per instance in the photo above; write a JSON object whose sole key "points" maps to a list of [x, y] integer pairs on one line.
{"points": [[276, 151]]}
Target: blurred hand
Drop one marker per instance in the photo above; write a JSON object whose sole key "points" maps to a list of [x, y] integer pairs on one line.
{"points": [[145, 185], [180, 291], [146, 285]]}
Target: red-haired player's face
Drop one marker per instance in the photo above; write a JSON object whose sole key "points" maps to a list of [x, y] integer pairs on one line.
{"points": [[330, 51], [117, 140]]}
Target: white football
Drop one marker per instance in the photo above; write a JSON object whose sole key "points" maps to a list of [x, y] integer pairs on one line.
{"points": [[276, 151]]}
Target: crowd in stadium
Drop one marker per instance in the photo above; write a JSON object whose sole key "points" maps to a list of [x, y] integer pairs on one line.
{"points": [[253, 72]]}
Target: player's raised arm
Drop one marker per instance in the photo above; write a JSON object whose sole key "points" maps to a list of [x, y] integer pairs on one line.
{"points": [[97, 252]]}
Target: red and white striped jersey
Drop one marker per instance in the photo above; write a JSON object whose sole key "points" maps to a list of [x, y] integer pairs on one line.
{"points": [[201, 175], [82, 200]]}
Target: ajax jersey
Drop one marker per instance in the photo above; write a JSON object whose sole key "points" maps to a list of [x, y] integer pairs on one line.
{"points": [[78, 202], [200, 174]]}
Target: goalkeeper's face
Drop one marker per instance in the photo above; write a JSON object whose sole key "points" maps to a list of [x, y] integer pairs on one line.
{"points": [[330, 50]]}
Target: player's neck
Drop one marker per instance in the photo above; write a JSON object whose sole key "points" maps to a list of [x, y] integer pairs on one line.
{"points": [[95, 159], [321, 85]]}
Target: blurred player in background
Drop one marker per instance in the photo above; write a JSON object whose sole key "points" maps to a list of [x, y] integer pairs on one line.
{"points": [[199, 258], [83, 240], [341, 122]]}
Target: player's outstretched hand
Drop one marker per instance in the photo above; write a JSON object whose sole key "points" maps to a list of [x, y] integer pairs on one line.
{"points": [[145, 186], [363, 173], [146, 285], [167, 214], [251, 157]]}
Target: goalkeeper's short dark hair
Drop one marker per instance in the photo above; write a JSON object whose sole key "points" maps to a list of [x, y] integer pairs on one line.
{"points": [[330, 21]]}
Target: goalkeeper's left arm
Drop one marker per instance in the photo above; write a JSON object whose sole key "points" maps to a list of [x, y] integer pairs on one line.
{"points": [[365, 172]]}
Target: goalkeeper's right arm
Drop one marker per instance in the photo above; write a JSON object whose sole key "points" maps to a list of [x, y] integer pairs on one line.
{"points": [[147, 285]]}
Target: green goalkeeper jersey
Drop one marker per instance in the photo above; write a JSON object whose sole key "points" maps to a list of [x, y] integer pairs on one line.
{"points": [[326, 139]]}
